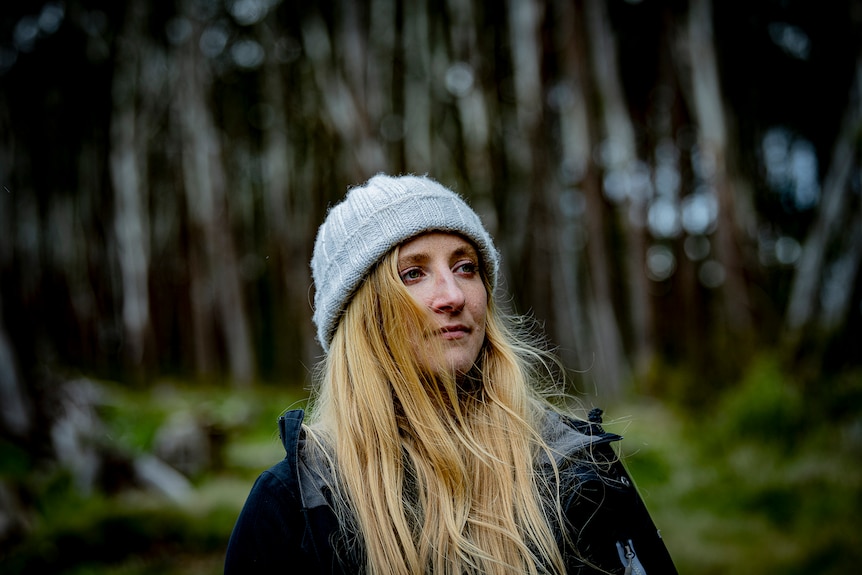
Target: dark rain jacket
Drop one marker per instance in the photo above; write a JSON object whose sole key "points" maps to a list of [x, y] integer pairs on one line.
{"points": [[287, 524]]}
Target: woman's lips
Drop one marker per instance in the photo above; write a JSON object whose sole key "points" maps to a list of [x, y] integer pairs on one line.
{"points": [[454, 331]]}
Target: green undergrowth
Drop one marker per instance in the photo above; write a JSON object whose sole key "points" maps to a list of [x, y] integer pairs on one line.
{"points": [[768, 479], [118, 528], [765, 479]]}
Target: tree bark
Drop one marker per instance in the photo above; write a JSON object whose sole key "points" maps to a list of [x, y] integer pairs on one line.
{"points": [[611, 367], [129, 178], [701, 63], [217, 294], [16, 411], [807, 281], [620, 135], [418, 147], [342, 101]]}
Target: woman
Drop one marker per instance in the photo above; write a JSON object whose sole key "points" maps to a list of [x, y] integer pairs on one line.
{"points": [[430, 447]]}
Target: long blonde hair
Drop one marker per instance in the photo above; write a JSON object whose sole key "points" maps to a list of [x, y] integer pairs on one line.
{"points": [[433, 473]]}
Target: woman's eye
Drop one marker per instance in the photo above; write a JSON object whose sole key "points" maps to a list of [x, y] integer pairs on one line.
{"points": [[467, 268], [411, 274]]}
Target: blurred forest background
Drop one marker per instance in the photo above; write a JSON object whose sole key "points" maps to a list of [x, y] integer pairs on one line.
{"points": [[674, 186]]}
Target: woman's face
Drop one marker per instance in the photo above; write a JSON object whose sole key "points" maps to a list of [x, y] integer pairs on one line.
{"points": [[441, 272]]}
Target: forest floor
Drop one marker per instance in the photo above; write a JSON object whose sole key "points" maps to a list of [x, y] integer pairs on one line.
{"points": [[751, 486]]}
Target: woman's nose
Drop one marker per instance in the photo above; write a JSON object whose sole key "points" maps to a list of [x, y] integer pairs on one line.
{"points": [[448, 295]]}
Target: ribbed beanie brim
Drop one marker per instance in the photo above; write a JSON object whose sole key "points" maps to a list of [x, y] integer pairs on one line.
{"points": [[373, 219]]}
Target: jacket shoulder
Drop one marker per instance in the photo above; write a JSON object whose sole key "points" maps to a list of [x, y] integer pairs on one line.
{"points": [[568, 437], [285, 471], [609, 521]]}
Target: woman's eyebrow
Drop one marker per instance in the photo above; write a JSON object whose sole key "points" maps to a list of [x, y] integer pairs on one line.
{"points": [[422, 257], [413, 259], [465, 251]]}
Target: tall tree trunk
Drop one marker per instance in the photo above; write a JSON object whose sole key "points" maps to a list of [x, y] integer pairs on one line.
{"points": [[572, 299], [611, 366], [702, 65], [129, 178], [16, 411], [288, 205], [840, 283], [462, 80], [834, 208], [620, 136], [537, 256], [342, 102], [417, 87], [216, 289]]}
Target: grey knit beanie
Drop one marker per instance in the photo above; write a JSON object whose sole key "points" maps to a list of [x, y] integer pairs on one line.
{"points": [[373, 219]]}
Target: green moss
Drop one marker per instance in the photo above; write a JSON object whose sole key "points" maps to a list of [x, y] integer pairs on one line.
{"points": [[765, 406], [15, 462], [767, 478]]}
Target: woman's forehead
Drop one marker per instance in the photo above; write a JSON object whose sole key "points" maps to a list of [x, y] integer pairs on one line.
{"points": [[436, 241]]}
